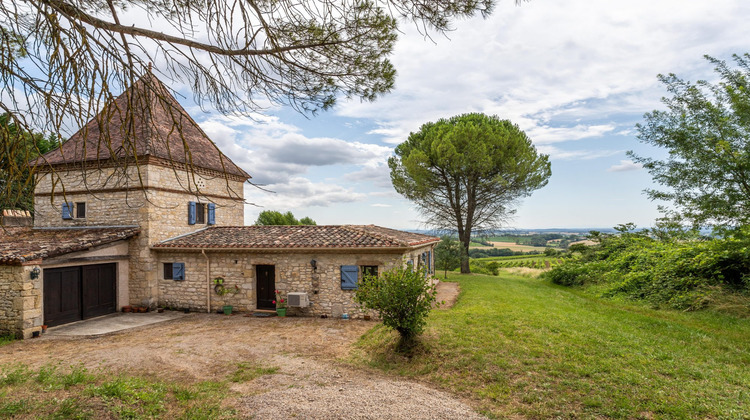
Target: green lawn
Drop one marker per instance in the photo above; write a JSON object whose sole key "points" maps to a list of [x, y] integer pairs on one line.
{"points": [[519, 346]]}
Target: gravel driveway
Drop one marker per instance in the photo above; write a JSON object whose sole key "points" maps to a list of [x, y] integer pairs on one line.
{"points": [[309, 382]]}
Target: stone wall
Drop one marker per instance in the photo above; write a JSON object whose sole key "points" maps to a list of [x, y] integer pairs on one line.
{"points": [[294, 273], [113, 199], [161, 209], [21, 302]]}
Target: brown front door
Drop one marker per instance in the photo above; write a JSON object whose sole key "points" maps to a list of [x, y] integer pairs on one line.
{"points": [[266, 292], [76, 293]]}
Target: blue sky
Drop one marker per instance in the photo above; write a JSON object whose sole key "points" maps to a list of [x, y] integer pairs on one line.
{"points": [[575, 75]]}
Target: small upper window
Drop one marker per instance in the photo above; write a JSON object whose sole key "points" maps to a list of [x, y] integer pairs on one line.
{"points": [[200, 213], [80, 210]]}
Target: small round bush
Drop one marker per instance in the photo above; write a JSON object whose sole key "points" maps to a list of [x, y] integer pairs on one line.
{"points": [[402, 297]]}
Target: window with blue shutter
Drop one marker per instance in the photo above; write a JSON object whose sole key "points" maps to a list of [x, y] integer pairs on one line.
{"points": [[67, 211], [349, 275], [410, 265], [178, 271], [211, 213], [191, 212]]}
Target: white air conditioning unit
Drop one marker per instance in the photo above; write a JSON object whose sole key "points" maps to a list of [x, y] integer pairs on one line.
{"points": [[298, 299]]}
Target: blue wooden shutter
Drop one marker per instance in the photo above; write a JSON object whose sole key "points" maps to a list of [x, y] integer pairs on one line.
{"points": [[429, 261], [211, 213], [410, 265], [178, 271], [191, 212], [67, 211], [349, 275]]}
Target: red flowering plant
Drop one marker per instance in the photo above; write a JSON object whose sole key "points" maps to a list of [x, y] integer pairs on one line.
{"points": [[280, 301]]}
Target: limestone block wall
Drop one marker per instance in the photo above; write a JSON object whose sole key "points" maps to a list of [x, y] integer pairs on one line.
{"points": [[107, 194], [294, 273], [114, 199], [20, 300]]}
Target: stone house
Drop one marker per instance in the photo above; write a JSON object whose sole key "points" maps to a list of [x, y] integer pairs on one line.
{"points": [[153, 214]]}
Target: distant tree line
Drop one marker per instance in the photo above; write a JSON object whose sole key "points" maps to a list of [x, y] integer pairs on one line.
{"points": [[272, 217]]}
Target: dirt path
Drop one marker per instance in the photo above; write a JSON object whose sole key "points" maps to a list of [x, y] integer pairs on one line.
{"points": [[447, 294], [310, 382]]}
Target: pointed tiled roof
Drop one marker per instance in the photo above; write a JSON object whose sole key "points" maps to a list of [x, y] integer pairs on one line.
{"points": [[144, 121], [295, 237]]}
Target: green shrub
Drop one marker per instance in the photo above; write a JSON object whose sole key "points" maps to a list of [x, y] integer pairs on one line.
{"points": [[679, 273], [402, 297], [494, 268]]}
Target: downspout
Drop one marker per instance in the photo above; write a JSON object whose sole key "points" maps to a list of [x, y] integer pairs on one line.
{"points": [[208, 281]]}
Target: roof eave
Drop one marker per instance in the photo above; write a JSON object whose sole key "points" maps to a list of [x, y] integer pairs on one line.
{"points": [[276, 249]]}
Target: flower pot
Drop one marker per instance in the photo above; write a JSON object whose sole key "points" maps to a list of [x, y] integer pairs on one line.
{"points": [[127, 309], [281, 311], [227, 309], [44, 329]]}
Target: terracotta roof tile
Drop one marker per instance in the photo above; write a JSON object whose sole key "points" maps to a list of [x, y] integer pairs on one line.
{"points": [[159, 128], [22, 244], [290, 237]]}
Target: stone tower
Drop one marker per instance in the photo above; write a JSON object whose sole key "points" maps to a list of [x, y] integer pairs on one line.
{"points": [[142, 161]]}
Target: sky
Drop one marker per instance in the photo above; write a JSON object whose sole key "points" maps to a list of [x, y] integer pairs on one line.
{"points": [[576, 76]]}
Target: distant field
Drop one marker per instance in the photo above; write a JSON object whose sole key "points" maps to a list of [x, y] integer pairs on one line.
{"points": [[539, 262], [511, 245]]}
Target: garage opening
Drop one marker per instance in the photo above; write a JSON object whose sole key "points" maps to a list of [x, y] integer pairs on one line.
{"points": [[80, 292]]}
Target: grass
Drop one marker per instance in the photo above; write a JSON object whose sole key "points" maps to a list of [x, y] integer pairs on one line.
{"points": [[75, 393], [247, 371], [6, 339], [519, 346]]}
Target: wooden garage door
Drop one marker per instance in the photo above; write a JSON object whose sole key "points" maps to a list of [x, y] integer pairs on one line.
{"points": [[75, 293], [99, 294]]}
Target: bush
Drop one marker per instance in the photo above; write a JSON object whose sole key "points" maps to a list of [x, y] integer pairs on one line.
{"points": [[681, 273], [403, 299]]}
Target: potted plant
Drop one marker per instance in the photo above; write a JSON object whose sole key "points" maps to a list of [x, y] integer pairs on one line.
{"points": [[222, 290], [280, 303]]}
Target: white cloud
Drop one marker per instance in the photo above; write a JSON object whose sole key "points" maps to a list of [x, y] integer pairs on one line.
{"points": [[553, 60], [376, 173], [298, 193], [546, 135], [625, 166], [273, 152], [556, 153], [380, 205]]}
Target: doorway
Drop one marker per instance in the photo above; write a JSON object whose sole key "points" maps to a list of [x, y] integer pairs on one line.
{"points": [[266, 286]]}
